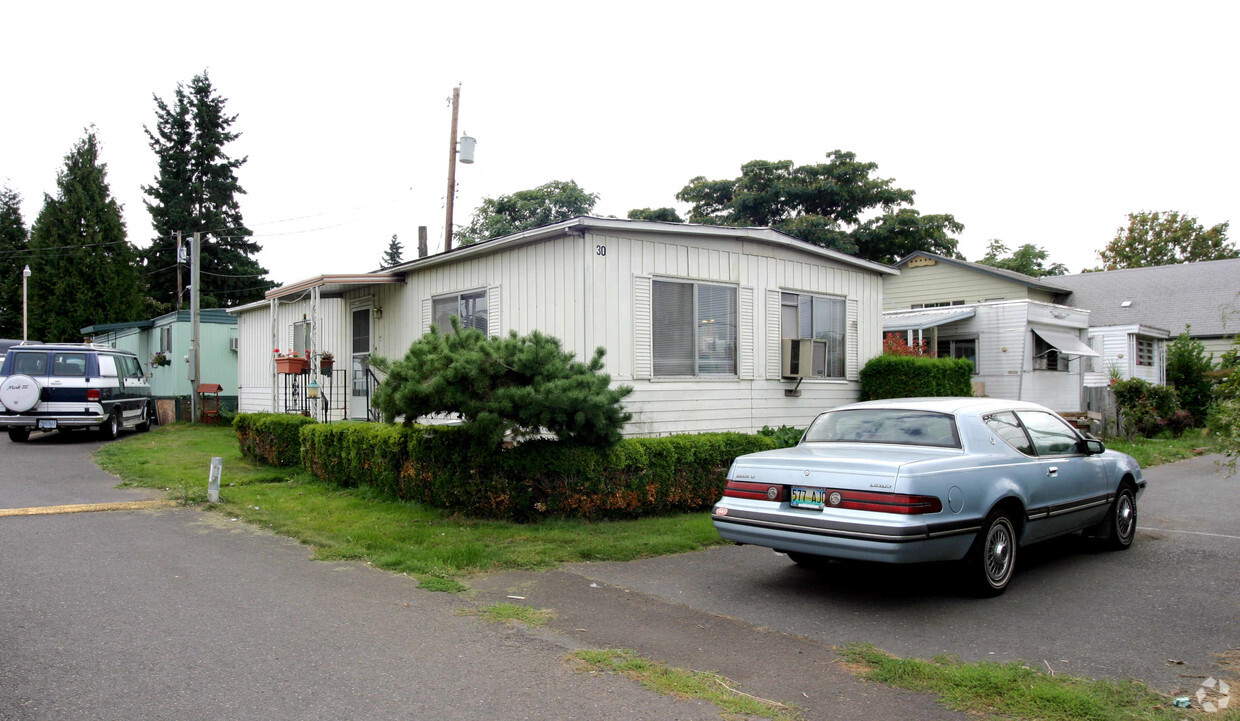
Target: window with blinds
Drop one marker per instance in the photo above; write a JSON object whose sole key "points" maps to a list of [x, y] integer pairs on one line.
{"points": [[822, 320], [694, 328], [470, 308]]}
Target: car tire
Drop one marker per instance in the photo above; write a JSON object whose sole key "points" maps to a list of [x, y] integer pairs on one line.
{"points": [[19, 435], [110, 428], [992, 560], [1121, 520], [149, 419]]}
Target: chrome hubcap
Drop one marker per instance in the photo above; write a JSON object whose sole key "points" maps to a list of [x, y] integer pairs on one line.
{"points": [[998, 553], [1124, 520]]}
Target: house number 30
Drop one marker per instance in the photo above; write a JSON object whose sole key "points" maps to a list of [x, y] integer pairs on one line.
{"points": [[600, 250]]}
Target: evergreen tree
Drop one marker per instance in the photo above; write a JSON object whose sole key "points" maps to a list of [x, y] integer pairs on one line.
{"points": [[196, 191], [83, 269], [393, 255], [13, 259]]}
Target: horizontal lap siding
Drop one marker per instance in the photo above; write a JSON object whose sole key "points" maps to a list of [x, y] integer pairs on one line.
{"points": [[945, 283]]}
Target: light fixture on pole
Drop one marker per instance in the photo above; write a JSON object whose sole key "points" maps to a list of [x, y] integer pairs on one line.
{"points": [[466, 153], [25, 275]]}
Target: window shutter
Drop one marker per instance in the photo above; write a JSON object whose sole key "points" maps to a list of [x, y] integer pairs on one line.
{"points": [[745, 330], [426, 316], [643, 358], [851, 352], [493, 324], [774, 333]]}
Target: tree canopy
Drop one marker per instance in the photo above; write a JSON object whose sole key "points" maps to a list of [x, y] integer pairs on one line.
{"points": [[1165, 238], [13, 258], [196, 190], [525, 209], [1028, 259], [83, 269], [666, 215], [829, 204]]}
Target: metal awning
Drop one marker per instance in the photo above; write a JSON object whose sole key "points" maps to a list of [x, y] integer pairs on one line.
{"points": [[1065, 343], [923, 319]]}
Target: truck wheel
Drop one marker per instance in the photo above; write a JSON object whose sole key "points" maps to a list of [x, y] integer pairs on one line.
{"points": [[19, 435], [110, 429]]}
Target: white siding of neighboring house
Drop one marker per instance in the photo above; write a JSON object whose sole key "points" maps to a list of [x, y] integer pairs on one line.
{"points": [[1119, 351], [254, 364], [1058, 390], [946, 283]]}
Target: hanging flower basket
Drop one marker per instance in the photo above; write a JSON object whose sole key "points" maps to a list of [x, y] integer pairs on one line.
{"points": [[325, 366], [292, 365]]}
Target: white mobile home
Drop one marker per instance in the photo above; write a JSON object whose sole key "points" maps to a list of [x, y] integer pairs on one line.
{"points": [[715, 328]]}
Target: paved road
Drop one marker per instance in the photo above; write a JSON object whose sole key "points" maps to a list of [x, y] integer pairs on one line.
{"points": [[1175, 595], [183, 614]]}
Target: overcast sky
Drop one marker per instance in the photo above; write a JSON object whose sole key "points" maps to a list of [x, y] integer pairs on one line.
{"points": [[1040, 123]]}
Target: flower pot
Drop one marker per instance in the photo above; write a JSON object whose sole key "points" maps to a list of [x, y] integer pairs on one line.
{"points": [[294, 366], [325, 367]]}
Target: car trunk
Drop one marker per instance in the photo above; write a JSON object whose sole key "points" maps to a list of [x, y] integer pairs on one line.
{"points": [[844, 466]]}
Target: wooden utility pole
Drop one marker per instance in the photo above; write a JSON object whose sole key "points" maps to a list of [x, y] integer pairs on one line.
{"points": [[447, 231]]}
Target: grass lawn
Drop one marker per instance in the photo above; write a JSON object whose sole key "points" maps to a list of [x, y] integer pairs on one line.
{"points": [[439, 548], [1165, 449]]}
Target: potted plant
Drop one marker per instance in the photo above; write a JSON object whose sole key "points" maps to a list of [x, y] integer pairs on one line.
{"points": [[326, 361], [160, 359], [290, 362]]}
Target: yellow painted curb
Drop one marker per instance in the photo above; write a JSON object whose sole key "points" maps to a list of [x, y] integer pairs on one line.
{"points": [[86, 508]]}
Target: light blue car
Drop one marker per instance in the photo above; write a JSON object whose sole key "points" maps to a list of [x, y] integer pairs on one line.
{"points": [[931, 479]]}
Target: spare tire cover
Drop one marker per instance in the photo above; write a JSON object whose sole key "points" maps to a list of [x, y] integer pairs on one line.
{"points": [[19, 393]]}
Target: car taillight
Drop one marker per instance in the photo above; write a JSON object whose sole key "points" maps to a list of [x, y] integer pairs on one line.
{"points": [[92, 394], [885, 502], [753, 491]]}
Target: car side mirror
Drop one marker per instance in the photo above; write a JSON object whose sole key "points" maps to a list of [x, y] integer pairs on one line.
{"points": [[1093, 447]]}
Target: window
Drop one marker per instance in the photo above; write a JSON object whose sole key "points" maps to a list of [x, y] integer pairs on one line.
{"points": [[470, 308], [884, 425], [1008, 428], [1046, 357], [165, 339], [1145, 352], [694, 330], [822, 320], [944, 304], [69, 364], [965, 348], [1051, 436], [1094, 364], [301, 338], [30, 364]]}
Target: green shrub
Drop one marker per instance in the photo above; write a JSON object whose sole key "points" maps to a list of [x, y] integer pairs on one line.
{"points": [[1224, 422], [1146, 408], [784, 436], [540, 478], [1187, 366], [891, 376], [272, 438]]}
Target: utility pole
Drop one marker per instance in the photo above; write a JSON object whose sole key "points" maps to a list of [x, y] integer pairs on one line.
{"points": [[195, 343], [180, 283], [447, 231]]}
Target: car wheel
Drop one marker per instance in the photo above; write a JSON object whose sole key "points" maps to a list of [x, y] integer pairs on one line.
{"points": [[111, 428], [19, 435], [1122, 520], [992, 560], [149, 420]]}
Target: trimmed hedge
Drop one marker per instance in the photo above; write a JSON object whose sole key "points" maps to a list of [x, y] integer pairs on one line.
{"points": [[542, 478], [890, 376], [272, 438]]}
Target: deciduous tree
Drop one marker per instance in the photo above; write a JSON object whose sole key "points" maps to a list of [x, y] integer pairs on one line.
{"points": [[524, 209], [83, 269], [666, 215], [1028, 259], [1165, 238]]}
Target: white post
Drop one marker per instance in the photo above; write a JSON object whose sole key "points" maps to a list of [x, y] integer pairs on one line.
{"points": [[25, 275], [213, 481]]}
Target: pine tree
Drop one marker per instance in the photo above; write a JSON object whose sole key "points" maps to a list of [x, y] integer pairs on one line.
{"points": [[196, 191], [83, 269], [393, 254], [13, 258]]}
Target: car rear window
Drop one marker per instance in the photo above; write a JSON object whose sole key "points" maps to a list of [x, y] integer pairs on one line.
{"points": [[68, 364], [884, 425], [30, 364]]}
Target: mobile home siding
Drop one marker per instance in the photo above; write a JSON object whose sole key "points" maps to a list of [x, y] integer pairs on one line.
{"points": [[946, 283]]}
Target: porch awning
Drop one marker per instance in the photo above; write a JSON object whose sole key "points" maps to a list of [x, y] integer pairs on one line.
{"points": [[923, 319], [1065, 343]]}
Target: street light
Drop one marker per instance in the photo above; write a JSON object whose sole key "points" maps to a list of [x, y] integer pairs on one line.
{"points": [[25, 275]]}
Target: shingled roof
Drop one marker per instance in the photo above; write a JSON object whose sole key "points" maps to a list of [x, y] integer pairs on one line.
{"points": [[1204, 295]]}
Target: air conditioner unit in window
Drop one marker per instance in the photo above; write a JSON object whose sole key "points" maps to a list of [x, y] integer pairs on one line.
{"points": [[232, 343], [803, 358]]}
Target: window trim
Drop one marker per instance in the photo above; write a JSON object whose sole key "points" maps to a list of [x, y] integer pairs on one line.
{"points": [[736, 342]]}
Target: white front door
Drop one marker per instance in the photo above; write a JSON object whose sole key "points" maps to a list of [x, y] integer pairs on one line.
{"points": [[359, 365]]}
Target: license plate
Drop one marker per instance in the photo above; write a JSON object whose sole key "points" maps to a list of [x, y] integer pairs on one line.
{"points": [[47, 424], [803, 497]]}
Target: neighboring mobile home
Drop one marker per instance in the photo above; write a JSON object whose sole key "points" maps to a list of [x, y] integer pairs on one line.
{"points": [[715, 328]]}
